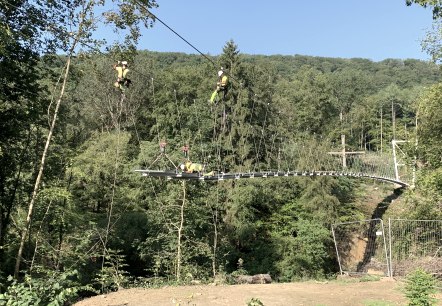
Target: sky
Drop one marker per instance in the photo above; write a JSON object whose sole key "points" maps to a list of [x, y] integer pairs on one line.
{"points": [[371, 29]]}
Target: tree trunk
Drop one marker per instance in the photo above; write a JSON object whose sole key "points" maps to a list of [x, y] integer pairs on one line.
{"points": [[215, 240], [6, 214], [180, 233], [42, 164]]}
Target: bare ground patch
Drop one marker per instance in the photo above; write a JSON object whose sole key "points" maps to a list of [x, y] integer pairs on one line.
{"points": [[383, 292]]}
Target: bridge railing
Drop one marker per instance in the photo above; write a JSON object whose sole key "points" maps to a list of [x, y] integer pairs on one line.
{"points": [[317, 157]]}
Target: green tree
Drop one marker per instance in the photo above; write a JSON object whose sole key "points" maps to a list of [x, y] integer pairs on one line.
{"points": [[313, 102], [22, 105], [304, 252], [432, 42], [70, 25], [429, 129], [420, 288], [104, 193], [436, 6]]}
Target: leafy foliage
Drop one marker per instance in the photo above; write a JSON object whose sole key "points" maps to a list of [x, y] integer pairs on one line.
{"points": [[255, 302], [94, 214], [435, 4], [50, 288], [304, 254], [429, 127], [420, 288]]}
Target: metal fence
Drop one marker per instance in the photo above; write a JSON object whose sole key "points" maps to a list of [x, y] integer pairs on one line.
{"points": [[361, 247], [400, 247], [415, 244]]}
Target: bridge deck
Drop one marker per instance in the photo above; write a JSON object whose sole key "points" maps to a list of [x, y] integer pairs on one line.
{"points": [[172, 174]]}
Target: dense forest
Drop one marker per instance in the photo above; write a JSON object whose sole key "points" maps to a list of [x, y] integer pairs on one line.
{"points": [[76, 219]]}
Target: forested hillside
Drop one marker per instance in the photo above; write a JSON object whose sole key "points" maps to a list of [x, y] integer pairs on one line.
{"points": [[94, 225]]}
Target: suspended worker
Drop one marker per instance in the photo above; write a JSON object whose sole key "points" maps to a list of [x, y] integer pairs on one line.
{"points": [[221, 85], [122, 81]]}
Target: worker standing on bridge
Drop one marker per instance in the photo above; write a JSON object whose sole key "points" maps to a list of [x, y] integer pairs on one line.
{"points": [[221, 86], [122, 81]]}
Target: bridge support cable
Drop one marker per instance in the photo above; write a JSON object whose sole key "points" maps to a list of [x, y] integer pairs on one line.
{"points": [[185, 139], [218, 133], [199, 136], [297, 159], [261, 137], [155, 17], [163, 154]]}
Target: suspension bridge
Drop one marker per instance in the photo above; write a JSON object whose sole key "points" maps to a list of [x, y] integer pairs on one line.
{"points": [[297, 160]]}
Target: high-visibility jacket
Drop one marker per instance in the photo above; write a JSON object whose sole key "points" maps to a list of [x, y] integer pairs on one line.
{"points": [[193, 167], [121, 72], [224, 81]]}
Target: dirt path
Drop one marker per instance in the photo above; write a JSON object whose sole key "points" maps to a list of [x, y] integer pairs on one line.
{"points": [[384, 292]]}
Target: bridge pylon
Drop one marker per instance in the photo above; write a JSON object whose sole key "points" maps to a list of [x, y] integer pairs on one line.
{"points": [[396, 160]]}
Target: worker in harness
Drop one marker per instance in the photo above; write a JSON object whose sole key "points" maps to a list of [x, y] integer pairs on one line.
{"points": [[189, 167], [122, 81], [221, 86]]}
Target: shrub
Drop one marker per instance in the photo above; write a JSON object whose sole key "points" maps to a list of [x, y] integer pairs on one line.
{"points": [[420, 288], [52, 288], [255, 302]]}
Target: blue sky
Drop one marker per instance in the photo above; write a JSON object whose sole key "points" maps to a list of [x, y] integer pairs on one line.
{"points": [[373, 29]]}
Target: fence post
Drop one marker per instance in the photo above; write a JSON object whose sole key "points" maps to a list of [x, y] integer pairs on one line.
{"points": [[385, 248], [389, 247], [336, 247]]}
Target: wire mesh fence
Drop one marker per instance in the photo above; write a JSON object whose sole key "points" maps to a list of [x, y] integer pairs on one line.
{"points": [[415, 244], [361, 247], [396, 249]]}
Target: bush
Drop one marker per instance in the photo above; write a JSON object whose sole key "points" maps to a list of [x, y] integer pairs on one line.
{"points": [[52, 289], [255, 302], [420, 288]]}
